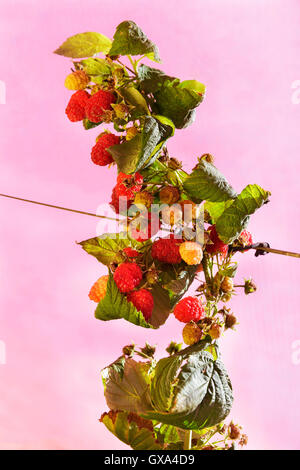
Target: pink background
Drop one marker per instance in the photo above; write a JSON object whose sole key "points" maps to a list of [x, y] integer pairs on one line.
{"points": [[247, 53]]}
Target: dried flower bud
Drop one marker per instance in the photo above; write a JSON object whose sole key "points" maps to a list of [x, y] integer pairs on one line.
{"points": [[244, 440], [148, 350], [152, 276], [249, 286], [174, 164], [230, 320], [234, 431], [128, 350], [173, 348], [207, 157]]}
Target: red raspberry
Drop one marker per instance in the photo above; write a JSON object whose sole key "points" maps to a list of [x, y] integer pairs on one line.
{"points": [[100, 155], [126, 187], [127, 276], [130, 252], [143, 301], [98, 104], [217, 246], [166, 250], [189, 309], [75, 109]]}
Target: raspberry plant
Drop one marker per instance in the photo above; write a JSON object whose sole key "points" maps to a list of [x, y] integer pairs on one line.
{"points": [[181, 400]]}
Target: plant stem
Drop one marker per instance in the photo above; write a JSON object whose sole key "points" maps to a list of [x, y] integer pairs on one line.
{"points": [[187, 440]]}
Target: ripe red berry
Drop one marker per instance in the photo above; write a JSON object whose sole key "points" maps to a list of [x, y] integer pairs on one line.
{"points": [[189, 309], [126, 187], [127, 276], [75, 109], [98, 104], [143, 301], [130, 252], [100, 155], [216, 245], [166, 250]]}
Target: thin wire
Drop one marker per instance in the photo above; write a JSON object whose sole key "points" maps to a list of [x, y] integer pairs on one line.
{"points": [[61, 208]]}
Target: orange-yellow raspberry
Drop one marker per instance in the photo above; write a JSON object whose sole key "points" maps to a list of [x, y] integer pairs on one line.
{"points": [[191, 333], [98, 290], [78, 80], [191, 252]]}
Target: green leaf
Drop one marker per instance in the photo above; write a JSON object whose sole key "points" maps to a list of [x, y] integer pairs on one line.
{"points": [[133, 155], [126, 155], [202, 394], [90, 125], [129, 39], [131, 429], [162, 306], [115, 306], [130, 392], [236, 217], [162, 385], [84, 45], [154, 132], [152, 79], [229, 271], [169, 433], [181, 282], [216, 209], [177, 103], [107, 247], [133, 97], [207, 183], [94, 66], [193, 85]]}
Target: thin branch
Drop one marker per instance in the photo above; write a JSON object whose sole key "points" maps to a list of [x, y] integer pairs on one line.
{"points": [[62, 208]]}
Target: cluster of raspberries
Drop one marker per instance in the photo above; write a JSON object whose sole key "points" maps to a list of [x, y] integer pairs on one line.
{"points": [[82, 105], [127, 277], [126, 188]]}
